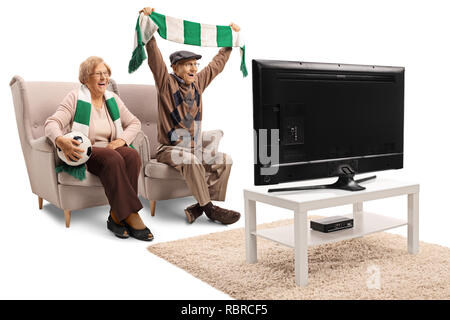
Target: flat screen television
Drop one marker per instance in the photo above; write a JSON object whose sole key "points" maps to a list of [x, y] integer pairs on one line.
{"points": [[319, 120]]}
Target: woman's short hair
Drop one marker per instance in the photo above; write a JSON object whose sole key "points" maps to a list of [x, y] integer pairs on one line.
{"points": [[88, 66]]}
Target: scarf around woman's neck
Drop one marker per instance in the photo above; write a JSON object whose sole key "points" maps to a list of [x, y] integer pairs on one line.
{"points": [[182, 31], [83, 112], [81, 123]]}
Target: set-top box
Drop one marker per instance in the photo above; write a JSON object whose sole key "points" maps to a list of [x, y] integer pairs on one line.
{"points": [[331, 224]]}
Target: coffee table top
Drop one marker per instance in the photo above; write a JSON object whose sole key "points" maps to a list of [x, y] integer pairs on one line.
{"points": [[323, 198]]}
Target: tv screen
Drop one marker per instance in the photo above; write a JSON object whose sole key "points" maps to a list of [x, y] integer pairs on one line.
{"points": [[318, 120]]}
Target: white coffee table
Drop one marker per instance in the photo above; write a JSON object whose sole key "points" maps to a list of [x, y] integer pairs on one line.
{"points": [[299, 235]]}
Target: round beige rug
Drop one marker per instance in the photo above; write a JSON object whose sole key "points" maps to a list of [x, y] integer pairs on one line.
{"points": [[374, 267]]}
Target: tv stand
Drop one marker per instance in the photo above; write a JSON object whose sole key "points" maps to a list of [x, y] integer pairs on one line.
{"points": [[344, 182], [300, 236]]}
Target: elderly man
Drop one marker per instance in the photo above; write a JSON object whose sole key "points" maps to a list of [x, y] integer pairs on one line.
{"points": [[179, 127]]}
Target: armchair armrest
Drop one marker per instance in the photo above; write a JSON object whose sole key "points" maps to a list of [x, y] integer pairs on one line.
{"points": [[142, 146], [42, 144], [41, 161]]}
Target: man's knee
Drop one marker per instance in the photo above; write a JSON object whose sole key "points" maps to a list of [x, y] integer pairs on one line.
{"points": [[184, 158], [227, 158], [222, 159]]}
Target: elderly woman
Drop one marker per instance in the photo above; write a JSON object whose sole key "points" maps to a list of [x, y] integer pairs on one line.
{"points": [[112, 160]]}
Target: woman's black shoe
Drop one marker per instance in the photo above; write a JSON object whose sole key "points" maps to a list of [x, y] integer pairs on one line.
{"points": [[139, 234], [119, 231]]}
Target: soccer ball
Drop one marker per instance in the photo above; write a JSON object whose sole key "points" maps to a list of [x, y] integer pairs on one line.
{"points": [[85, 144]]}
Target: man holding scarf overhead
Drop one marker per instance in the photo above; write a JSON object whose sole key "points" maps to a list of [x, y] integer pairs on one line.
{"points": [[179, 125]]}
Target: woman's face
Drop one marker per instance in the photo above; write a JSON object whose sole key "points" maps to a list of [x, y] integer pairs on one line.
{"points": [[98, 80]]}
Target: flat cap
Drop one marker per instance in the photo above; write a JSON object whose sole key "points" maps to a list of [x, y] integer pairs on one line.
{"points": [[183, 55]]}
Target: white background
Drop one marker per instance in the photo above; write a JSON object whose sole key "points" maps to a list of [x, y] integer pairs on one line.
{"points": [[47, 40]]}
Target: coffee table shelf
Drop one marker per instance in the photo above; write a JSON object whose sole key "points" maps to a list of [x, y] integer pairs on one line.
{"points": [[365, 223]]}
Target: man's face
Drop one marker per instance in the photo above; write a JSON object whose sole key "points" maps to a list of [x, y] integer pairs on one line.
{"points": [[186, 70]]}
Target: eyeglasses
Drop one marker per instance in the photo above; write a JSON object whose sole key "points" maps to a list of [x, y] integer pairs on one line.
{"points": [[99, 74], [192, 64]]}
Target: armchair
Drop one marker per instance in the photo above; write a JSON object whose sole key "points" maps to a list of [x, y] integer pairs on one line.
{"points": [[34, 102]]}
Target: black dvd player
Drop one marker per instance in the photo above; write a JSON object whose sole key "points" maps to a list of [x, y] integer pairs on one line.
{"points": [[331, 224]]}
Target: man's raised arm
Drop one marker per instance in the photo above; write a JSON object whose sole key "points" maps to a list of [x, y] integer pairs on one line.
{"points": [[206, 75], [155, 59]]}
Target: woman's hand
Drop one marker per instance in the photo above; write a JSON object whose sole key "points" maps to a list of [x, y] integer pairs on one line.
{"points": [[116, 144], [235, 27], [68, 147], [147, 11]]}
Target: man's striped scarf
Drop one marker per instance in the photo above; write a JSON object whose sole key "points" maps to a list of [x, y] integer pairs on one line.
{"points": [[83, 112], [182, 31]]}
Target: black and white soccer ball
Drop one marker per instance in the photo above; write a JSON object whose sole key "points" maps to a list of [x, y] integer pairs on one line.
{"points": [[85, 144]]}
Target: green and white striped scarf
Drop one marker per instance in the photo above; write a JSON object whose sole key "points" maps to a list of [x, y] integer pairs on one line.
{"points": [[182, 31], [83, 112]]}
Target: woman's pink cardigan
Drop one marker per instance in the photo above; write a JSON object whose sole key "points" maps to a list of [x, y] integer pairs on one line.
{"points": [[61, 121]]}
